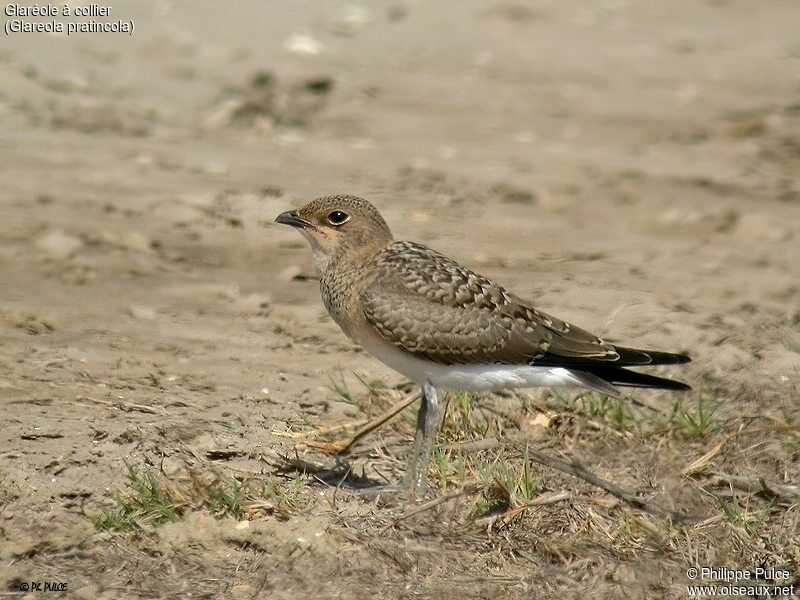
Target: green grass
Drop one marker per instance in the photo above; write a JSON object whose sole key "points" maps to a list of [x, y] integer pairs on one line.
{"points": [[509, 486], [150, 500], [372, 388], [739, 516], [299, 424], [462, 422], [695, 421], [522, 484], [145, 502], [282, 496], [613, 412], [338, 385], [227, 499], [340, 388], [442, 458], [792, 444], [488, 503], [451, 466], [609, 410]]}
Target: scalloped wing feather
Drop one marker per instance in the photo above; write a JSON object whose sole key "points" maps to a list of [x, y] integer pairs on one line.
{"points": [[428, 305]]}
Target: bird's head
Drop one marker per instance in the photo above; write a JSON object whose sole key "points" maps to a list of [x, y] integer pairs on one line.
{"points": [[338, 226]]}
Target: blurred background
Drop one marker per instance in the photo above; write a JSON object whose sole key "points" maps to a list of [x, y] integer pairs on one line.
{"points": [[631, 166]]}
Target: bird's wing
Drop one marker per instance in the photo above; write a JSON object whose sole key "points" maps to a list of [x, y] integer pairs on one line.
{"points": [[428, 305]]}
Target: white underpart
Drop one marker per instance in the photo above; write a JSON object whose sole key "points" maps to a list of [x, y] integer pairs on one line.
{"points": [[489, 377], [498, 377]]}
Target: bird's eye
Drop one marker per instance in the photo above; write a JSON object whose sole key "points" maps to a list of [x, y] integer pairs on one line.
{"points": [[337, 217]]}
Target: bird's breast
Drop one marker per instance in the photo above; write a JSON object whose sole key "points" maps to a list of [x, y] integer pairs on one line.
{"points": [[341, 301]]}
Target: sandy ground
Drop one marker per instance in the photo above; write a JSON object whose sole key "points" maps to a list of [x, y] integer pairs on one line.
{"points": [[630, 166]]}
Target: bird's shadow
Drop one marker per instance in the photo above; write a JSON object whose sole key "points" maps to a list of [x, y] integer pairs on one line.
{"points": [[340, 474]]}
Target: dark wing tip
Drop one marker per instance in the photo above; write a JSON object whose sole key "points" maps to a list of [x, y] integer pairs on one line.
{"points": [[669, 358], [671, 384], [636, 357], [681, 359], [624, 377]]}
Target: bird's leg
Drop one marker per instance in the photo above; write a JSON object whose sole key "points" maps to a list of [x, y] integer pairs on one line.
{"points": [[410, 479], [341, 446], [428, 420]]}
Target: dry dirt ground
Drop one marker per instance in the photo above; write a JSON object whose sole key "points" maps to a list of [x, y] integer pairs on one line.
{"points": [[631, 166]]}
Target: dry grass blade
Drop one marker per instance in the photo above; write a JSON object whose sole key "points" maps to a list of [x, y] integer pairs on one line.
{"points": [[513, 512], [576, 469], [701, 463], [10, 386], [126, 406], [476, 445], [642, 404], [758, 485], [466, 489]]}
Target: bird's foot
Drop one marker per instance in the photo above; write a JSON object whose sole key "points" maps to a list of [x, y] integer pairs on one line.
{"points": [[335, 447]]}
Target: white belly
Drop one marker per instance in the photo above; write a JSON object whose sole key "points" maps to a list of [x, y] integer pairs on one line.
{"points": [[467, 377], [498, 377]]}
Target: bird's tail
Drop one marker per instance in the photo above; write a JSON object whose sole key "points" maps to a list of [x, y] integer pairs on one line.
{"points": [[624, 377]]}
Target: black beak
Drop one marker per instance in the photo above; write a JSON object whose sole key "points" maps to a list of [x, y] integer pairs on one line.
{"points": [[293, 218]]}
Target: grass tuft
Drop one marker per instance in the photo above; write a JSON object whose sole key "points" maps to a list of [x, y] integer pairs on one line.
{"points": [[340, 388], [740, 516], [510, 486], [150, 500], [145, 503], [792, 444], [338, 385], [522, 484], [462, 422], [695, 421]]}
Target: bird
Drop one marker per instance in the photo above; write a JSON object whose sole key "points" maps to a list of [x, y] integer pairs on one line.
{"points": [[445, 327]]}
